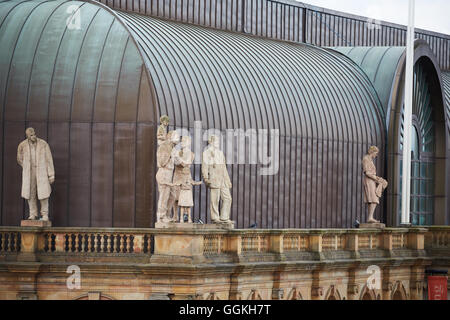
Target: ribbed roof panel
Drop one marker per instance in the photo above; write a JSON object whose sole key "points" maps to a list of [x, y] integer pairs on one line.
{"points": [[230, 80]]}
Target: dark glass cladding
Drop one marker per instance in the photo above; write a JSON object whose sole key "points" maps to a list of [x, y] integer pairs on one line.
{"points": [[95, 92]]}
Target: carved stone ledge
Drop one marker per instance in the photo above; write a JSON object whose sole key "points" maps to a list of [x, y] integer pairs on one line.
{"points": [[194, 226], [35, 223], [372, 226]]}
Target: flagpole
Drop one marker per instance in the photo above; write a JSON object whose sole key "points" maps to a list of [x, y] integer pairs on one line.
{"points": [[409, 88]]}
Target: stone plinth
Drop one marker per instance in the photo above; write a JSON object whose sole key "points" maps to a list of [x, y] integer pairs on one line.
{"points": [[35, 223], [372, 226], [194, 226]]}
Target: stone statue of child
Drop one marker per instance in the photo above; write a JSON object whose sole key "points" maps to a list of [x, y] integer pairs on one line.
{"points": [[182, 180], [38, 173], [216, 178], [373, 185]]}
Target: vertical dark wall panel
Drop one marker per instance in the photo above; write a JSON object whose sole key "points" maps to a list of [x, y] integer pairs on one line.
{"points": [[124, 174], [44, 62], [13, 204], [58, 140], [87, 66], [1, 171], [108, 71], [146, 99], [65, 67], [129, 85], [80, 175], [102, 174], [145, 191]]}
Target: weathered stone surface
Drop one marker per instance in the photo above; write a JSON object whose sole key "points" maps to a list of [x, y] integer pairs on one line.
{"points": [[372, 226], [219, 264], [216, 178], [373, 185], [38, 173], [35, 223], [194, 226]]}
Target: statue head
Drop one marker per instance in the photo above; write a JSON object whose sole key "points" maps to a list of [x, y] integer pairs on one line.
{"points": [[185, 142], [173, 137], [31, 135], [214, 141], [164, 120], [373, 151]]}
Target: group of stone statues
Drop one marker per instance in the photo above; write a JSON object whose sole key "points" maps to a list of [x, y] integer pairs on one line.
{"points": [[175, 183]]}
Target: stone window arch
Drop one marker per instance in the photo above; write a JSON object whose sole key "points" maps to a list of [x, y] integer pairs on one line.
{"points": [[254, 295], [399, 292], [94, 296], [333, 294], [368, 294], [295, 294]]}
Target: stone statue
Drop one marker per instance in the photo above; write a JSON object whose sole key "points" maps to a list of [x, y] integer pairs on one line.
{"points": [[165, 163], [182, 180], [373, 185], [35, 158], [161, 133], [216, 178]]}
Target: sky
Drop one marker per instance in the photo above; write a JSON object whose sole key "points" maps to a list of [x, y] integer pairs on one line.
{"points": [[433, 15]]}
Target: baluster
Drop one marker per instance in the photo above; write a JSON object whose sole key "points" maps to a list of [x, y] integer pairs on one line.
{"points": [[108, 240], [120, 239], [127, 243], [146, 247], [13, 241], [9, 241], [89, 243], [76, 242], [118, 243], [95, 243]]}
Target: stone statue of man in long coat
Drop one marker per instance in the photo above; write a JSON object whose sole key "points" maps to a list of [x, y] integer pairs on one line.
{"points": [[38, 173], [216, 178]]}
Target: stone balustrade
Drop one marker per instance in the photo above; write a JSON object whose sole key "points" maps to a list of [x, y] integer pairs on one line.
{"points": [[118, 242], [228, 264], [437, 238]]}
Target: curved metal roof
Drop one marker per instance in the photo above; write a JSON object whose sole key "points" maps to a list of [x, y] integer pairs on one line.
{"points": [[384, 65], [56, 70], [380, 64], [85, 89], [230, 80], [446, 83], [94, 91]]}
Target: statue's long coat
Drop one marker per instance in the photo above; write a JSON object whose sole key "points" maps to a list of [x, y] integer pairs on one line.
{"points": [[44, 168]]}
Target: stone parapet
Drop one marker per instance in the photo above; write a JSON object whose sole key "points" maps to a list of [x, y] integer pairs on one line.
{"points": [[198, 263]]}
